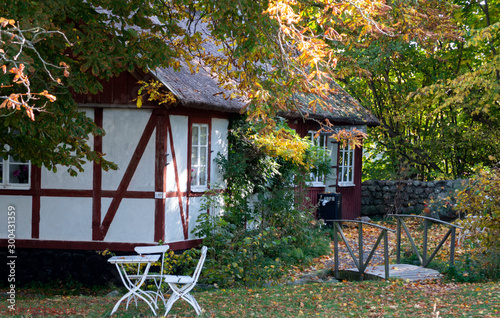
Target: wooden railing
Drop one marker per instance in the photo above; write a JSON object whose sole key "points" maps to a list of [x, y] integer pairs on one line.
{"points": [[424, 261], [360, 263]]}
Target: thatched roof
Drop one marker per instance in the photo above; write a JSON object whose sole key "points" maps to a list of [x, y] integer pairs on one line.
{"points": [[339, 107], [201, 90]]}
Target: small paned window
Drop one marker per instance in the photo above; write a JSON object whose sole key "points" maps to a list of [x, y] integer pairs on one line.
{"points": [[14, 174], [199, 157], [346, 166], [320, 141]]}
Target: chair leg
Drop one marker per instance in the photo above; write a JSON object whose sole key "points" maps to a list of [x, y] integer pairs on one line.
{"points": [[173, 298], [158, 293], [192, 301]]}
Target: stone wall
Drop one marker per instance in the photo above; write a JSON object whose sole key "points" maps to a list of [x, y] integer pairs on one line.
{"points": [[379, 197]]}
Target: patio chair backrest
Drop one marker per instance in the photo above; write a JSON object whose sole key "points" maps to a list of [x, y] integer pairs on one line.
{"points": [[159, 249], [198, 268]]}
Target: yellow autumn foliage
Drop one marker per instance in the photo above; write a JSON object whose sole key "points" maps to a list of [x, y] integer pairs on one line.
{"points": [[480, 201], [282, 143]]}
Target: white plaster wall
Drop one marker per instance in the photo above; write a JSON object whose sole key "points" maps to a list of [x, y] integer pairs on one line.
{"points": [[66, 219], [133, 221], [194, 211], [62, 179], [22, 208], [124, 128], [144, 176], [173, 223], [219, 145], [179, 126]]}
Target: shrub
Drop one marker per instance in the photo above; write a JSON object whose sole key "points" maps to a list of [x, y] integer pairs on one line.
{"points": [[444, 206], [265, 225], [480, 202], [181, 264]]}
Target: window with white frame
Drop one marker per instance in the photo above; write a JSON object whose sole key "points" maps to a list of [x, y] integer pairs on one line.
{"points": [[199, 157], [14, 174], [320, 141], [346, 165]]}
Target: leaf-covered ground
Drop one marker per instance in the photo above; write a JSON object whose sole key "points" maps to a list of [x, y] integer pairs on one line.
{"points": [[436, 233], [345, 299], [394, 298]]}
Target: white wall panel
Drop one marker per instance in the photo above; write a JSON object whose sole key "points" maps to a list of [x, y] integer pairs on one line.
{"points": [[173, 223], [180, 136], [124, 128], [219, 145], [62, 180], [22, 208], [133, 221], [194, 211], [144, 177], [67, 219]]}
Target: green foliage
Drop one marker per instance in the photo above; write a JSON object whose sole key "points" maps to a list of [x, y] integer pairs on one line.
{"points": [[443, 206], [437, 100], [100, 47], [475, 267], [480, 202], [260, 225], [181, 264], [379, 164], [267, 52]]}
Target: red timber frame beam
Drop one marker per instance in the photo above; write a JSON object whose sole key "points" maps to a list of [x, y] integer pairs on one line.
{"points": [[184, 216], [160, 176], [35, 201], [102, 230], [158, 120], [97, 181]]}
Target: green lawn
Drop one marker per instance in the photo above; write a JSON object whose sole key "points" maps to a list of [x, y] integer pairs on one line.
{"points": [[393, 298], [345, 299]]}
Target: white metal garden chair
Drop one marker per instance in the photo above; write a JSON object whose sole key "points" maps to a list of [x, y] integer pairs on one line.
{"points": [[157, 278], [182, 285]]}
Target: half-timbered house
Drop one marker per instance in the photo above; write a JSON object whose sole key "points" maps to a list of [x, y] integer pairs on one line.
{"points": [[345, 113], [166, 163]]}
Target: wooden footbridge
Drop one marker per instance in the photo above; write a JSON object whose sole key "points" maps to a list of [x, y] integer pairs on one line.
{"points": [[386, 271]]}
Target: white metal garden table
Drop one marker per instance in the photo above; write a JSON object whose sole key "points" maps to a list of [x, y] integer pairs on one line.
{"points": [[133, 282]]}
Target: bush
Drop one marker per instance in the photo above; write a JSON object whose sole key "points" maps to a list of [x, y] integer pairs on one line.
{"points": [[241, 255], [475, 267], [261, 224], [480, 202], [181, 264], [444, 206]]}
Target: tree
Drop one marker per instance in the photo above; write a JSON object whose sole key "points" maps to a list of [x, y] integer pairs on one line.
{"points": [[438, 101], [13, 42], [268, 51], [93, 45]]}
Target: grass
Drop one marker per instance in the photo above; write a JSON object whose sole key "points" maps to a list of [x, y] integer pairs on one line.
{"points": [[345, 299], [394, 298]]}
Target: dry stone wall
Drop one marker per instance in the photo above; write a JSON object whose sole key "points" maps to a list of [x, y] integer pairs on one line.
{"points": [[379, 197]]}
